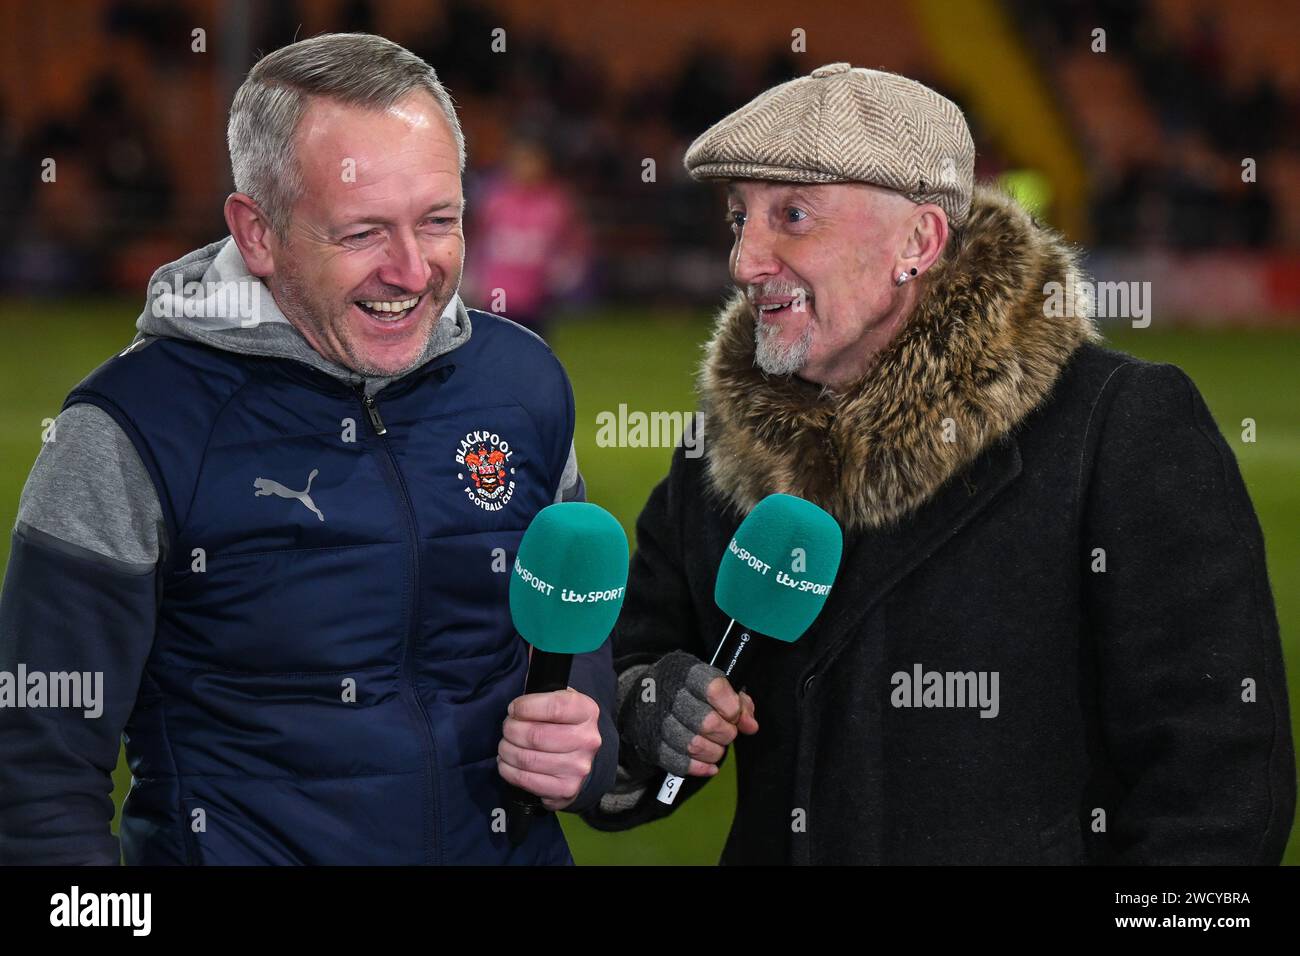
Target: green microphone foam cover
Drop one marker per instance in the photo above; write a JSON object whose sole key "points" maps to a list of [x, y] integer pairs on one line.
{"points": [[778, 569], [569, 578]]}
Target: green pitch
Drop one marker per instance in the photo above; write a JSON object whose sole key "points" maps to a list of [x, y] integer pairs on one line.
{"points": [[646, 362]]}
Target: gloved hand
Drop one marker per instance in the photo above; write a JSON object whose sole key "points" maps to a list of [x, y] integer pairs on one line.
{"points": [[683, 719]]}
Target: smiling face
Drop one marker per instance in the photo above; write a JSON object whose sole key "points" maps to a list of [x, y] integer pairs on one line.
{"points": [[375, 248], [818, 264]]}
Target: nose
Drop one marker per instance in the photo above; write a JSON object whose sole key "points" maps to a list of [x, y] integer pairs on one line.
{"points": [[407, 267], [753, 257]]}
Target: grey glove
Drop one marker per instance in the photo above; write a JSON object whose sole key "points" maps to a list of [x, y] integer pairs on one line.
{"points": [[657, 731]]}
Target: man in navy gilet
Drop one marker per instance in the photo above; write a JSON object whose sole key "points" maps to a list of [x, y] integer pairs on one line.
{"points": [[279, 525]]}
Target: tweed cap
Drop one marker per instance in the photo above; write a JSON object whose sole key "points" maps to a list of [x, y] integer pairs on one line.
{"points": [[844, 124]]}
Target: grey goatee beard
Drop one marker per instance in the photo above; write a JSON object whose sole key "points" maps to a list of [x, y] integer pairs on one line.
{"points": [[776, 358]]}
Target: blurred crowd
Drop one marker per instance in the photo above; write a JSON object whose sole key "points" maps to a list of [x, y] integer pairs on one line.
{"points": [[1169, 172], [560, 206]]}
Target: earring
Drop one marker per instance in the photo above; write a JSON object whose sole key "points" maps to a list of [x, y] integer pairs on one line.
{"points": [[902, 277]]}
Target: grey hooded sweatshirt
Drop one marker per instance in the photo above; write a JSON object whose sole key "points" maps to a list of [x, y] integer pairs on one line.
{"points": [[89, 491], [90, 499]]}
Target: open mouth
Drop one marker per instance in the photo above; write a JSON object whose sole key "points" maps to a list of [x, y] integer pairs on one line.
{"points": [[390, 311], [782, 307]]}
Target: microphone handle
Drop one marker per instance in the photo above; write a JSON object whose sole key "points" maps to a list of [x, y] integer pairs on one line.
{"points": [[734, 641], [546, 672]]}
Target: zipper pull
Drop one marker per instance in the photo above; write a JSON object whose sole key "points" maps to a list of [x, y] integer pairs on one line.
{"points": [[373, 411]]}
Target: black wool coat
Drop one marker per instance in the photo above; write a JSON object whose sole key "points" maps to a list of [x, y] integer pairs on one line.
{"points": [[1017, 500]]}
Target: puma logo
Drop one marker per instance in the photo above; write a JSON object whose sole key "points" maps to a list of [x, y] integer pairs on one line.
{"points": [[268, 486]]}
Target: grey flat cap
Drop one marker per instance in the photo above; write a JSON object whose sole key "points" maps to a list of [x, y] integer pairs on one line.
{"points": [[845, 124]]}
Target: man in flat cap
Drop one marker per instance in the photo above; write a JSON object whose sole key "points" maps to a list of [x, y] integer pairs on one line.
{"points": [[1052, 638]]}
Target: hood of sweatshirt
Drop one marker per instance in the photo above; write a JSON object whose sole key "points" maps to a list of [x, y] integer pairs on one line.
{"points": [[209, 296]]}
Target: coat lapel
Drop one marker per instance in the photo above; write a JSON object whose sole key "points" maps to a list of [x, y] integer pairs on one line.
{"points": [[875, 561]]}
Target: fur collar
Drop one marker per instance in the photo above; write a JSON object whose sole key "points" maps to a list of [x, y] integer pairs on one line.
{"points": [[977, 350]]}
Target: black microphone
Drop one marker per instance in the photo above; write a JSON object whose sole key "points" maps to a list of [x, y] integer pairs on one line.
{"points": [[565, 594], [547, 671]]}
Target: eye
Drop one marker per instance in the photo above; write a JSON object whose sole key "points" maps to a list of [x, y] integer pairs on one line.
{"points": [[795, 214], [735, 217], [440, 221], [361, 236]]}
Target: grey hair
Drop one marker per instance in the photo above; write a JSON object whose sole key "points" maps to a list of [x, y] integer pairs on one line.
{"points": [[359, 69]]}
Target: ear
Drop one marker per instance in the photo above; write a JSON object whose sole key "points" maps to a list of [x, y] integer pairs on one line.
{"points": [[926, 239], [253, 234]]}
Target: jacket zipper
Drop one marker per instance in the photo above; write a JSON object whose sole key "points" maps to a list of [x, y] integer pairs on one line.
{"points": [[408, 650]]}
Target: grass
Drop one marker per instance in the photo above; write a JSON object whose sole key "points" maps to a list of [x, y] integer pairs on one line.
{"points": [[647, 360]]}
